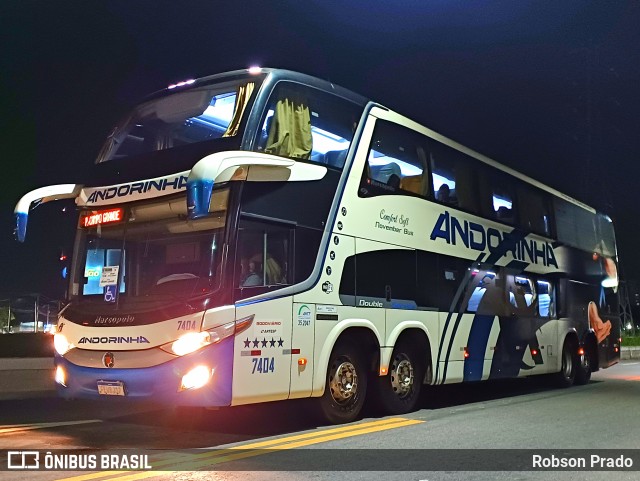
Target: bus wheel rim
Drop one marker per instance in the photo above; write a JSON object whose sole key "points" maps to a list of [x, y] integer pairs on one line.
{"points": [[344, 382], [584, 361], [402, 376]]}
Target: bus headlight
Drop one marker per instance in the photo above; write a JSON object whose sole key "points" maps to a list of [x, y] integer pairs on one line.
{"points": [[190, 342], [61, 345]]}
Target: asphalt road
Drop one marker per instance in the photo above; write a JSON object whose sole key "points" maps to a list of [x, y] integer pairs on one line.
{"points": [[285, 441]]}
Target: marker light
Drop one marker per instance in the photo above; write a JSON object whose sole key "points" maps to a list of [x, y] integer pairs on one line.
{"points": [[61, 345], [255, 70], [181, 84], [190, 342], [302, 361], [383, 371], [466, 353], [581, 352], [61, 377], [534, 352], [196, 378]]}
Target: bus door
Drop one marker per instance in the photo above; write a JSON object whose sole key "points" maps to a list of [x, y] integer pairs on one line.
{"points": [[262, 355]]}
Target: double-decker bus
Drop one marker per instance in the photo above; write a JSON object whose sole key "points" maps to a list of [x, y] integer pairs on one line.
{"points": [[264, 235]]}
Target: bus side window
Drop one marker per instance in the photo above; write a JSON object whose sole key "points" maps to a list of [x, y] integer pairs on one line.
{"points": [[453, 177], [502, 198], [534, 209], [263, 257], [305, 123], [397, 162], [522, 295], [546, 299]]}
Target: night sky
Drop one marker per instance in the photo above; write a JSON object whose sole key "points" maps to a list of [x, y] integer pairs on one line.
{"points": [[550, 88]]}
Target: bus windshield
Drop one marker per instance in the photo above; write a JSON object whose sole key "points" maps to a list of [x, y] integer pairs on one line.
{"points": [[199, 114], [151, 252]]}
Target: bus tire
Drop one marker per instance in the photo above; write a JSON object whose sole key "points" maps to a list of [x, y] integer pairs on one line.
{"points": [[346, 384], [567, 375], [399, 391], [583, 368]]}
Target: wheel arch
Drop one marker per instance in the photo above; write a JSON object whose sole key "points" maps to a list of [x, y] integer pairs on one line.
{"points": [[590, 343], [361, 332], [415, 333]]}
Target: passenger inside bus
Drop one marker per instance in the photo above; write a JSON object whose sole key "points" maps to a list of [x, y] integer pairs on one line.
{"points": [[444, 194], [254, 273]]}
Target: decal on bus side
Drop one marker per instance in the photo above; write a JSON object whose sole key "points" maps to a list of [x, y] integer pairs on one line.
{"points": [[475, 236]]}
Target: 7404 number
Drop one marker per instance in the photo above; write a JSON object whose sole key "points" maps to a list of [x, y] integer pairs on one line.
{"points": [[263, 365]]}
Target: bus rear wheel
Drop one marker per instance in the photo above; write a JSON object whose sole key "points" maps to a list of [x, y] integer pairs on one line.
{"points": [[567, 374], [399, 390], [583, 369], [346, 385]]}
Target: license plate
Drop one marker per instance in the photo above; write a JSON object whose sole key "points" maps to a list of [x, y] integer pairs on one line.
{"points": [[111, 388]]}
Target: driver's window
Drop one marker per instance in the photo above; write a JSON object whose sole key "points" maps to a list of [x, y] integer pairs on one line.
{"points": [[263, 257]]}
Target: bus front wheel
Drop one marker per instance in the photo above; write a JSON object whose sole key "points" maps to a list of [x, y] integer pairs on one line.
{"points": [[399, 390], [346, 385]]}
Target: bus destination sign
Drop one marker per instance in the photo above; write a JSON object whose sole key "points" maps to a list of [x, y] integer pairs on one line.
{"points": [[100, 217]]}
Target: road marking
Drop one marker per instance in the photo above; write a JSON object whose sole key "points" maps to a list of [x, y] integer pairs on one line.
{"points": [[223, 455], [17, 428]]}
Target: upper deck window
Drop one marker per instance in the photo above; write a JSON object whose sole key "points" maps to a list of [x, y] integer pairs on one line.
{"points": [[196, 115], [305, 123], [397, 162]]}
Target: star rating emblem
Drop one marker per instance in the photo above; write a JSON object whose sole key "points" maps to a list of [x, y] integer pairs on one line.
{"points": [[272, 342], [256, 342], [280, 342], [247, 342], [264, 342]]}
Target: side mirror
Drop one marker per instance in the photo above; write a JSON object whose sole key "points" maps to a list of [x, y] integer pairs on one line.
{"points": [[41, 195]]}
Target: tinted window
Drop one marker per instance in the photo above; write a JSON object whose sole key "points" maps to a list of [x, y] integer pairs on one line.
{"points": [[397, 162], [387, 277], [498, 195], [263, 258], [534, 210], [546, 298], [454, 177], [575, 225], [305, 123]]}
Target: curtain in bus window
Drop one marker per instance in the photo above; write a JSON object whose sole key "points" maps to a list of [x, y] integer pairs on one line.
{"points": [[290, 133], [242, 99]]}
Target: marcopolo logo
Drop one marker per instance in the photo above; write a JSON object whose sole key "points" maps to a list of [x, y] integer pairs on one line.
{"points": [[114, 320], [475, 236]]}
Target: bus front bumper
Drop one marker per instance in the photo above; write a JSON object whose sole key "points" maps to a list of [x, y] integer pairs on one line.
{"points": [[162, 383]]}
